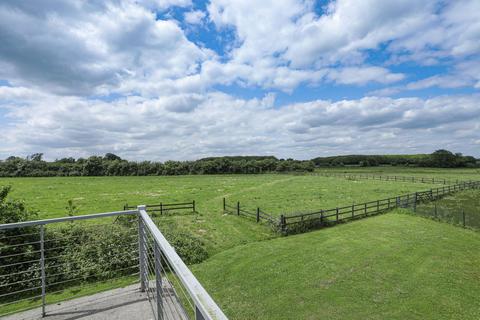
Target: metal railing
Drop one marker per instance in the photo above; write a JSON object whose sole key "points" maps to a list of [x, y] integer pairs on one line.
{"points": [[41, 259]]}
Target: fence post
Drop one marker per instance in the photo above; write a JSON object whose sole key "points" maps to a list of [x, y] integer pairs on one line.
{"points": [[193, 205], [435, 210], [42, 266], [141, 249], [282, 223], [224, 205], [337, 214], [365, 205], [415, 202], [125, 206], [353, 210], [388, 203], [321, 217], [378, 206], [258, 214], [238, 208], [161, 208], [158, 279], [463, 214]]}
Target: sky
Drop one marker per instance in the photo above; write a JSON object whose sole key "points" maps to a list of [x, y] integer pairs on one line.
{"points": [[182, 79]]}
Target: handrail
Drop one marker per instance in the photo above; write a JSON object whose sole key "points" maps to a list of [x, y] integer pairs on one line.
{"points": [[64, 219], [203, 302]]}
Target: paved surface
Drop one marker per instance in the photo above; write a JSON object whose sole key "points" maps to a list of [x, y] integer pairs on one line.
{"points": [[123, 303]]}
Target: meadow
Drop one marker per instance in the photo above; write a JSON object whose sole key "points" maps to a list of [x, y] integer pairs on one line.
{"points": [[274, 193], [376, 268]]}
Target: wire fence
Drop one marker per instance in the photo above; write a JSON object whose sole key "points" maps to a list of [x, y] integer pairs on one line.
{"points": [[467, 218], [302, 222], [41, 262]]}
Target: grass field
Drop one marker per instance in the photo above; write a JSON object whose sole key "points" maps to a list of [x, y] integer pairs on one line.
{"points": [[452, 208], [274, 193], [444, 173], [393, 266]]}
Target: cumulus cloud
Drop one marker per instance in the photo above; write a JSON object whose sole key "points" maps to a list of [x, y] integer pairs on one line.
{"points": [[85, 47], [170, 128], [126, 76]]}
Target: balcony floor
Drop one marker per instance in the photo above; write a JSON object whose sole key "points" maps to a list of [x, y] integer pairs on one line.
{"points": [[122, 303]]}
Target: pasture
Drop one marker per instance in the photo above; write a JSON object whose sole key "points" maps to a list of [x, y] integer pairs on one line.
{"points": [[375, 268], [275, 193]]}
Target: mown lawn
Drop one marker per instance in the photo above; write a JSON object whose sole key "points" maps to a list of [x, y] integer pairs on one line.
{"points": [[393, 266]]}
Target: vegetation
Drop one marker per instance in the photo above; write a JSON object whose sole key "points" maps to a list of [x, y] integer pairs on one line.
{"points": [[392, 266], [452, 209], [438, 159], [113, 165], [246, 266]]}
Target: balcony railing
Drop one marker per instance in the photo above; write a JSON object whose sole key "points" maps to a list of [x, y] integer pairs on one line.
{"points": [[40, 259]]}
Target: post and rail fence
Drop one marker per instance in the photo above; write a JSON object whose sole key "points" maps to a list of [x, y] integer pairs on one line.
{"points": [[411, 179], [165, 207], [300, 222], [35, 266]]}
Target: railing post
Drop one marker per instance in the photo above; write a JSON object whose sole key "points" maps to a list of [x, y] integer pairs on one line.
{"points": [[42, 267], [158, 280], [198, 314], [141, 249]]}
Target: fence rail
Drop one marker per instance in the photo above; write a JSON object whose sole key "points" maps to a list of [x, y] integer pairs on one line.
{"points": [[299, 222], [389, 178], [36, 263], [165, 207]]}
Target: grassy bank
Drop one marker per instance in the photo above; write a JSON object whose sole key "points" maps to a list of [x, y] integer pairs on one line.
{"points": [[393, 266]]}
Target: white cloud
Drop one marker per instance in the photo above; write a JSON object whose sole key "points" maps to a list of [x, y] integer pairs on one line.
{"points": [[192, 126], [194, 17]]}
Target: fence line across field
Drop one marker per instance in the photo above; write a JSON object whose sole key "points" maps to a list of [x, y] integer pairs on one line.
{"points": [[165, 207], [390, 178], [289, 222], [172, 289]]}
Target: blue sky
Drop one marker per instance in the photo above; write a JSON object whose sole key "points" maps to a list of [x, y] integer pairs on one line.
{"points": [[181, 79]]}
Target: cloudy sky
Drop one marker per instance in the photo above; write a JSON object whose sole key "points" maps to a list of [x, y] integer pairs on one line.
{"points": [[181, 79]]}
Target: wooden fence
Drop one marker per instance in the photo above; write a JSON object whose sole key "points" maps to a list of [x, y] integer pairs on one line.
{"points": [[301, 222], [257, 214], [389, 178], [165, 207]]}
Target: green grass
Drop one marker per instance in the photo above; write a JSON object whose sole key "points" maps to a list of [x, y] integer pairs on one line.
{"points": [[370, 269], [451, 208], [444, 173], [274, 193], [393, 266]]}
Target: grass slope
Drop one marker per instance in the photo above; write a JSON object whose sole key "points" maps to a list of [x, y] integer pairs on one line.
{"points": [[393, 266]]}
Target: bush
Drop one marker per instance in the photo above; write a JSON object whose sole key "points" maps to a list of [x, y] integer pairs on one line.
{"points": [[190, 248]]}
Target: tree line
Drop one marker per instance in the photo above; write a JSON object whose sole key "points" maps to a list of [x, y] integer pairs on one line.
{"points": [[113, 165], [438, 159]]}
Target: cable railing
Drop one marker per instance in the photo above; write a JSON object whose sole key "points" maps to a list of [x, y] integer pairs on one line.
{"points": [[41, 260]]}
